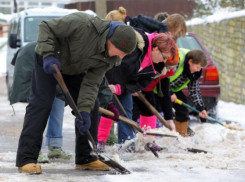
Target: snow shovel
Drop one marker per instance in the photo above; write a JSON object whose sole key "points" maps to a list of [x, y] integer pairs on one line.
{"points": [[209, 117], [134, 124], [153, 110], [106, 160]]}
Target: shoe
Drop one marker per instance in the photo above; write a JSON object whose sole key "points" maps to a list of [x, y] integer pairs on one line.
{"points": [[93, 166], [58, 153], [101, 147], [154, 147], [30, 168], [42, 158]]}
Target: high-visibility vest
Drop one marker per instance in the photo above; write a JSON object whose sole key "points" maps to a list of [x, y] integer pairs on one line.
{"points": [[179, 71]]}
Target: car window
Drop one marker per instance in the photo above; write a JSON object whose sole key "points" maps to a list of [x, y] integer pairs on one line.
{"points": [[188, 42], [31, 27]]}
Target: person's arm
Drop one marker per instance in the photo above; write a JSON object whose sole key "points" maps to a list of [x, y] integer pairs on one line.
{"points": [[152, 24], [195, 95], [89, 88]]}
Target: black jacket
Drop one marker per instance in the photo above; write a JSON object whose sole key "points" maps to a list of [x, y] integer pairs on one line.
{"points": [[127, 74], [147, 24]]}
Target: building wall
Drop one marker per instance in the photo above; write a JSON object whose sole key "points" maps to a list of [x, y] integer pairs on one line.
{"points": [[146, 7], [225, 42], [7, 6]]}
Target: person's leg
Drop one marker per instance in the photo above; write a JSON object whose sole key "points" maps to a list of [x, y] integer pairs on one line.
{"points": [[37, 112], [125, 131], [83, 148], [54, 135], [55, 124], [181, 115]]}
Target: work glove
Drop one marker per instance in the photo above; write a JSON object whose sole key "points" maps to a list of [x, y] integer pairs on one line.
{"points": [[48, 64], [83, 126], [111, 107]]}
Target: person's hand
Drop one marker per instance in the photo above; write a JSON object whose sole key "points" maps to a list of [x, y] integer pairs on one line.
{"points": [[203, 114], [48, 64], [172, 125], [113, 88], [135, 94], [174, 98], [111, 107], [83, 126]]}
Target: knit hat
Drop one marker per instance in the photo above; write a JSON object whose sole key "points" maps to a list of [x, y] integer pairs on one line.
{"points": [[123, 37]]}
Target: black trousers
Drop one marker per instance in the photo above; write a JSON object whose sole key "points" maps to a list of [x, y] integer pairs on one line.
{"points": [[37, 113], [140, 108], [181, 112]]}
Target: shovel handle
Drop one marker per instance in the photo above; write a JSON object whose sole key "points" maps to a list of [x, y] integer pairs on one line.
{"points": [[209, 117], [124, 119], [153, 110], [60, 80]]}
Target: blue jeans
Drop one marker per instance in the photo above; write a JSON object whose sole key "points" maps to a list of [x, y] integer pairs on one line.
{"points": [[54, 126], [125, 131]]}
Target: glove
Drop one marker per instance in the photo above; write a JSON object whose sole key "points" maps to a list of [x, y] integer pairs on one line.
{"points": [[111, 107], [48, 63], [84, 125]]}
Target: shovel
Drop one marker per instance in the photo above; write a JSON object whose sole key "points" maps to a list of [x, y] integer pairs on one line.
{"points": [[106, 160], [209, 117], [133, 124]]}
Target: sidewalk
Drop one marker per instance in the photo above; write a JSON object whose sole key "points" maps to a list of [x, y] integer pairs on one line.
{"points": [[57, 170]]}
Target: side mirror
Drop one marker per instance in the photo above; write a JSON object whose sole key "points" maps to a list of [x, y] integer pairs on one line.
{"points": [[13, 41]]}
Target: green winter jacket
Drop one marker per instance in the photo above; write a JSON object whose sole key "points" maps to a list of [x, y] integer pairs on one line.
{"points": [[23, 61], [78, 41]]}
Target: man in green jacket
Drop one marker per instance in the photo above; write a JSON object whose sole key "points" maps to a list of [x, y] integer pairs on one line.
{"points": [[84, 48]]}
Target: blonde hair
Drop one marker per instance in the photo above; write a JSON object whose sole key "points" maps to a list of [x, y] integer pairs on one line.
{"points": [[117, 15], [173, 22]]}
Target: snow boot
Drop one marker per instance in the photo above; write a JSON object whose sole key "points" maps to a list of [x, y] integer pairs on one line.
{"points": [[57, 152], [112, 139], [42, 158], [181, 128], [101, 147], [93, 166], [147, 122], [104, 128], [30, 168]]}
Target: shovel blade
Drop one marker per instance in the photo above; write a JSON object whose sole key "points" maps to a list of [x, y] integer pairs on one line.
{"points": [[113, 164]]}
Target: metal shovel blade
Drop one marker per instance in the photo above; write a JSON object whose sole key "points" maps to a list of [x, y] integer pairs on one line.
{"points": [[113, 164]]}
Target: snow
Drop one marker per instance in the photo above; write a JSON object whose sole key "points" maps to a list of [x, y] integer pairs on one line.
{"points": [[224, 162], [219, 15]]}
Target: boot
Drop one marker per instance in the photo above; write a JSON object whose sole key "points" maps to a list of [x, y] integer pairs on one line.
{"points": [[112, 139], [93, 166], [57, 152], [181, 128], [42, 158], [147, 122], [30, 168], [104, 128], [101, 147]]}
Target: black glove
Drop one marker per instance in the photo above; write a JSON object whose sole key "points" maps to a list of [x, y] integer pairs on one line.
{"points": [[83, 126], [48, 64]]}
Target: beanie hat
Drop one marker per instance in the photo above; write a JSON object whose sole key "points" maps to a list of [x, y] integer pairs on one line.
{"points": [[122, 36]]}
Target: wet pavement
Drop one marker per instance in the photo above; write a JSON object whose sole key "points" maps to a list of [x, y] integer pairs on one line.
{"points": [[11, 123]]}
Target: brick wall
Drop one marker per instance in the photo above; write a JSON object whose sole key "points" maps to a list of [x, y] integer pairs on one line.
{"points": [[225, 41]]}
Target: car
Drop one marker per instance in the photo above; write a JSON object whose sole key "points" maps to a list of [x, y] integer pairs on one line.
{"points": [[24, 29], [209, 81]]}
